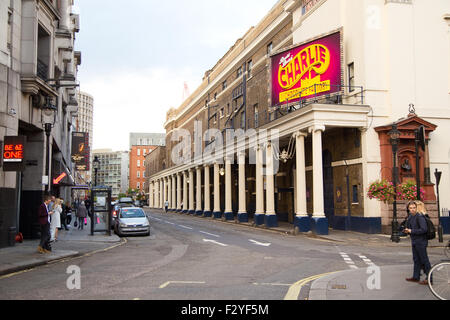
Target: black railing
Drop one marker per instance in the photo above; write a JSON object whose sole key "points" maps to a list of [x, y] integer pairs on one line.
{"points": [[337, 97], [42, 70]]}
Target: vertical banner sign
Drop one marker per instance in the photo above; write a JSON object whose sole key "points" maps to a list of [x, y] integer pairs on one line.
{"points": [[13, 153], [308, 70], [80, 150]]}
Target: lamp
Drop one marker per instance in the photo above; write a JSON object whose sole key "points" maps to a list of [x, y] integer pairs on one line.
{"points": [[96, 165], [49, 111], [438, 175], [394, 135], [222, 172]]}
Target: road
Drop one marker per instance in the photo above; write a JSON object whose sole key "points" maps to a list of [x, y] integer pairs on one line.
{"points": [[188, 258]]}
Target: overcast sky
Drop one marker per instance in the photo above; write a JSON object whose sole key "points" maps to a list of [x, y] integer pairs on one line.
{"points": [[136, 56]]}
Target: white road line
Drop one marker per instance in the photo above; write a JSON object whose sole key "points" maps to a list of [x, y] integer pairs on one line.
{"points": [[164, 285], [169, 223], [180, 225], [215, 242], [260, 243], [210, 234]]}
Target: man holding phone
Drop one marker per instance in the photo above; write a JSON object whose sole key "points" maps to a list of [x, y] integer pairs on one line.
{"points": [[44, 221]]}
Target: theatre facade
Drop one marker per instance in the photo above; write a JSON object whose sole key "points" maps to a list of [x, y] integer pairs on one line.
{"points": [[292, 124]]}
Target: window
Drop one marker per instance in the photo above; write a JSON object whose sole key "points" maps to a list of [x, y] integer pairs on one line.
{"points": [[269, 48], [224, 85], [351, 76], [355, 194], [228, 109], [138, 185], [139, 163], [256, 115], [215, 96], [239, 72], [138, 152], [9, 35], [222, 112], [138, 174], [249, 68]]}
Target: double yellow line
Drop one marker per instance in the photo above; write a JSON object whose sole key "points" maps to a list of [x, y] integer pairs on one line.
{"points": [[294, 290]]}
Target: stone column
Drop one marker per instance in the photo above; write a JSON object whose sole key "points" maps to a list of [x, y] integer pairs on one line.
{"points": [[191, 191], [207, 209], [179, 208], [65, 15], [228, 187], [270, 219], [198, 207], [320, 222], [174, 195], [150, 194], [169, 192], [242, 213], [185, 193], [160, 195], [302, 221], [217, 211], [259, 212]]}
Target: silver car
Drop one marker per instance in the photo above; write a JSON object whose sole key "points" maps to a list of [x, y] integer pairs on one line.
{"points": [[132, 221]]}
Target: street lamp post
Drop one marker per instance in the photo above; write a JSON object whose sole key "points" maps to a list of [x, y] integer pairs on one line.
{"points": [[96, 164], [394, 134], [49, 111], [438, 175]]}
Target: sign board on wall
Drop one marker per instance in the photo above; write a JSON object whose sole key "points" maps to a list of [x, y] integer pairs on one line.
{"points": [[308, 70], [13, 153], [80, 150]]}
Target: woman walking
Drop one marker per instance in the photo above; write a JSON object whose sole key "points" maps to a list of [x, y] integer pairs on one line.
{"points": [[81, 214], [56, 220]]}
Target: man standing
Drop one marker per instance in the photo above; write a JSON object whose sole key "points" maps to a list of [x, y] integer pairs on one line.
{"points": [[44, 221], [416, 227]]}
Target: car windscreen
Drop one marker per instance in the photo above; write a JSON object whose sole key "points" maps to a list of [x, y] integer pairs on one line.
{"points": [[132, 213]]}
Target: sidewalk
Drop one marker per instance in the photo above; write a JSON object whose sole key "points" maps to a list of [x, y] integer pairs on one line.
{"points": [[354, 285], [338, 236], [71, 243]]}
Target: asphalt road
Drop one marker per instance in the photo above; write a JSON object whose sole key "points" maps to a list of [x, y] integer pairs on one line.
{"points": [[188, 258]]}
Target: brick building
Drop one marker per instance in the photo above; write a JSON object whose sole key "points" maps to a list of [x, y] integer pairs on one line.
{"points": [[313, 92], [141, 144]]}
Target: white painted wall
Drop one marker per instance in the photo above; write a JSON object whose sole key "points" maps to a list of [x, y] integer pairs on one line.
{"points": [[401, 53]]}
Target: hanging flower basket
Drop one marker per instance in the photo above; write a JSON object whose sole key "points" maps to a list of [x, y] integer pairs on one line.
{"points": [[383, 190]]}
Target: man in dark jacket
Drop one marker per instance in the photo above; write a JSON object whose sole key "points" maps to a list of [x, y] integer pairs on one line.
{"points": [[416, 227], [44, 222]]}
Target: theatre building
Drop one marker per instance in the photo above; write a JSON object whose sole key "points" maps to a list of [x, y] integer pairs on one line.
{"points": [[293, 123]]}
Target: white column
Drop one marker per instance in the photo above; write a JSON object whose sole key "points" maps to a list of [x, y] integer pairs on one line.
{"points": [[270, 183], [185, 192], [207, 208], [228, 188], [191, 190], [169, 191], [65, 15], [198, 208], [158, 194], [300, 191], [259, 182], [174, 195], [319, 210], [216, 189], [242, 195], [179, 192]]}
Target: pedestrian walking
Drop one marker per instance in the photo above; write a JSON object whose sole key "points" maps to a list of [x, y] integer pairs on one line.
{"points": [[81, 214], [64, 215], [44, 221], [166, 206], [55, 223], [416, 227], [68, 211]]}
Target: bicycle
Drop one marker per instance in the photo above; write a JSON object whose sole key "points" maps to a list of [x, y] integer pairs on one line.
{"points": [[439, 277]]}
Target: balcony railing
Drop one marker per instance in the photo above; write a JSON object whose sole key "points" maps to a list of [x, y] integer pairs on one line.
{"points": [[355, 95], [42, 70]]}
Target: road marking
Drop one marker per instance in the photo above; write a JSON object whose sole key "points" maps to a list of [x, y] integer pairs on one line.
{"points": [[272, 284], [366, 260], [348, 260], [260, 243], [215, 242], [164, 285], [295, 289], [169, 223], [180, 225], [210, 234]]}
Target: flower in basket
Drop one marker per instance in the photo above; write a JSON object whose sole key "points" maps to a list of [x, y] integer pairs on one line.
{"points": [[382, 190], [408, 191]]}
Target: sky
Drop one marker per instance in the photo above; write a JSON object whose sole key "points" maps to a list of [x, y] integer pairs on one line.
{"points": [[137, 57]]}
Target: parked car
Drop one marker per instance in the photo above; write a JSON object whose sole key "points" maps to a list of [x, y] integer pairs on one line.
{"points": [[116, 210], [132, 221], [139, 203], [126, 200]]}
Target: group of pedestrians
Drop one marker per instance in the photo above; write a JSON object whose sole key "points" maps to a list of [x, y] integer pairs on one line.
{"points": [[53, 214]]}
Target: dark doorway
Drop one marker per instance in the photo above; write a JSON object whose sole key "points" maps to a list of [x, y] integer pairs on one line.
{"points": [[328, 186]]}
